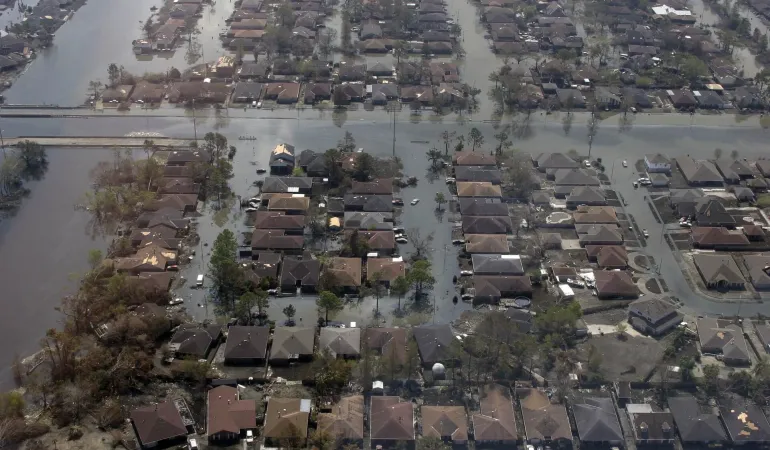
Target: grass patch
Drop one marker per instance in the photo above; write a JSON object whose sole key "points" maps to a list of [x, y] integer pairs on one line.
{"points": [[763, 200]]}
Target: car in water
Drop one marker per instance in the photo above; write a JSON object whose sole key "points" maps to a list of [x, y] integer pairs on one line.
{"points": [[414, 201]]}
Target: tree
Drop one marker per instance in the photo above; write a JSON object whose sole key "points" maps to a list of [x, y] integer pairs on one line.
{"points": [[420, 277], [113, 74], [717, 153], [347, 143], [365, 167], [447, 137], [565, 55], [460, 143], [692, 68], [434, 156], [329, 304], [333, 158], [290, 312], [620, 329], [420, 243], [431, 443], [225, 273], [711, 379], [95, 86], [734, 154], [218, 182], [593, 128], [476, 138], [95, 258], [400, 287], [502, 139], [326, 38], [440, 200], [686, 365]]}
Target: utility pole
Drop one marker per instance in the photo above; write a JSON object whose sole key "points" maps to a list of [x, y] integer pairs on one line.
{"points": [[195, 126]]}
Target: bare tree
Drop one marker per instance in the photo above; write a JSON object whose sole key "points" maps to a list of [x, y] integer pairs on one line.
{"points": [[592, 128], [421, 242]]}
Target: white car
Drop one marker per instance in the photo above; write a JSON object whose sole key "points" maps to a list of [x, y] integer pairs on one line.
{"points": [[176, 301], [401, 240], [249, 436], [587, 163], [414, 201], [466, 273], [625, 163], [250, 209], [259, 105], [645, 233], [192, 444], [272, 291], [450, 180]]}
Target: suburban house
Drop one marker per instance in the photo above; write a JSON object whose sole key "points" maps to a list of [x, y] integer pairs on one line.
{"points": [[657, 163], [186, 157], [493, 288], [434, 343], [719, 271], [697, 424], [346, 271], [718, 238], [597, 423], [745, 422], [497, 264], [478, 189], [495, 422], [368, 203], [246, 345], [486, 243], [470, 206], [545, 420], [194, 341], [608, 256], [300, 274], [546, 161], [734, 170], [345, 421], [651, 428], [290, 185], [388, 342], [595, 215], [763, 333], [385, 270], [487, 225], [391, 421], [292, 344], [575, 177], [466, 158], [382, 241], [289, 203], [373, 221], [282, 159], [615, 284], [266, 265], [699, 173], [279, 220], [228, 417], [448, 423], [340, 342], [381, 186], [601, 234], [277, 241], [159, 425], [710, 212], [478, 173], [759, 270], [653, 316], [286, 419], [722, 337], [586, 195]]}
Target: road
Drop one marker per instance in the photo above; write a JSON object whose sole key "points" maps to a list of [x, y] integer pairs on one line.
{"points": [[99, 142]]}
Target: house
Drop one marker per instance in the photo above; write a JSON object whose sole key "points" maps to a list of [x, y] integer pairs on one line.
{"points": [[282, 159], [385, 270], [722, 337], [317, 92], [194, 341], [345, 421], [287, 419], [300, 274], [495, 422], [368, 203], [391, 421], [615, 284], [276, 240], [290, 204], [653, 316], [754, 232], [282, 93], [696, 424], [279, 220], [186, 157], [748, 97], [228, 416], [12, 44], [487, 225], [575, 177], [246, 345], [346, 272], [759, 266], [178, 202], [158, 425], [422, 94], [292, 344], [745, 422], [709, 212], [373, 221], [586, 195], [168, 185], [352, 72], [384, 341], [159, 282], [313, 163], [139, 235], [545, 421], [382, 241], [473, 206], [608, 256], [266, 264], [718, 238], [341, 342], [478, 173], [636, 97], [734, 170], [709, 100], [719, 271], [657, 163], [600, 234], [478, 189], [570, 98], [486, 243], [448, 423], [465, 158], [699, 173], [650, 428], [247, 92], [682, 99], [382, 93], [381, 186], [253, 71], [119, 94], [434, 343], [492, 289], [763, 333], [370, 31], [349, 92], [743, 194], [497, 264], [547, 161], [292, 185], [597, 423]]}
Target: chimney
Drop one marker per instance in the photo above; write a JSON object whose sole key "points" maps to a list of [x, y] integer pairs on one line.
{"points": [[644, 431], [666, 429]]}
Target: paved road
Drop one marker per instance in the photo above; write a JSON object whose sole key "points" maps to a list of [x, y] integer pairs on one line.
{"points": [[99, 142]]}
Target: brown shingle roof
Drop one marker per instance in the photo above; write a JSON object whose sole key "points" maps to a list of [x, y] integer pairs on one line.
{"points": [[289, 341], [288, 204], [613, 283], [346, 421], [445, 422], [275, 240], [246, 342], [382, 186], [542, 418], [287, 418], [477, 189], [473, 159], [390, 342], [391, 419], [279, 220], [486, 243], [595, 214], [706, 237], [158, 422], [347, 271], [496, 420], [227, 413], [612, 256], [388, 268], [379, 240]]}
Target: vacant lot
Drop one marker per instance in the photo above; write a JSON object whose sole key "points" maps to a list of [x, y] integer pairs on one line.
{"points": [[631, 359]]}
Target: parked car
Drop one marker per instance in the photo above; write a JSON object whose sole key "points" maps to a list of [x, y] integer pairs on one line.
{"points": [[401, 240], [450, 180], [398, 202], [414, 201], [645, 233]]}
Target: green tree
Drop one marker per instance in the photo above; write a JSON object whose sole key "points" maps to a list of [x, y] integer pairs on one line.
{"points": [[502, 139], [692, 68], [400, 287], [476, 138], [686, 365], [431, 443], [113, 74], [447, 137], [365, 167], [711, 379], [420, 277], [95, 258], [290, 312], [440, 200], [226, 275], [331, 374], [244, 307], [435, 157], [219, 178], [347, 143], [329, 304], [333, 158]]}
